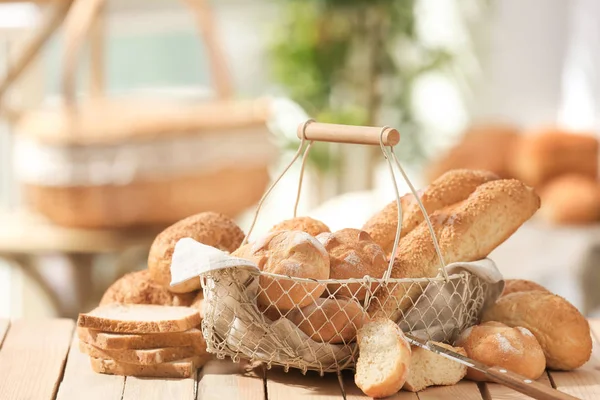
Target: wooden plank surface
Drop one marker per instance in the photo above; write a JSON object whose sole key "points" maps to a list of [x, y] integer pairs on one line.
{"points": [[32, 358], [464, 390], [354, 393], [159, 389], [80, 378], [293, 385], [585, 381], [220, 380]]}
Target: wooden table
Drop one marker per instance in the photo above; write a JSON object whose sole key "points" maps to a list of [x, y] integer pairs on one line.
{"points": [[40, 359]]}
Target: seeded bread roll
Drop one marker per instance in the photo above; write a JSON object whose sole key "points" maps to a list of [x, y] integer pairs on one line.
{"points": [[384, 358], [431, 369], [330, 320], [558, 326], [571, 200], [139, 288], [450, 188], [289, 253], [521, 285], [498, 345], [467, 231], [352, 254], [305, 224], [209, 228]]}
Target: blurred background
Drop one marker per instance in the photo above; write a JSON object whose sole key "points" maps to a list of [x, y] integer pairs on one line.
{"points": [[119, 118]]}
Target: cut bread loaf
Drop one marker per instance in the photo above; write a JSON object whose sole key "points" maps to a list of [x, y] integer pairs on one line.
{"points": [[136, 318], [384, 358], [430, 369], [175, 369], [117, 341], [140, 356]]}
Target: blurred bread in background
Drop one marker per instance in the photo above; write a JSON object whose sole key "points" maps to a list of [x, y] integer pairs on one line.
{"points": [[548, 153], [571, 200], [483, 147]]}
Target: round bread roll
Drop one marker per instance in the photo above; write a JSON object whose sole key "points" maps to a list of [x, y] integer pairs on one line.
{"points": [[496, 344], [139, 288], [352, 254], [209, 228], [544, 154], [305, 224], [571, 200], [559, 327], [293, 254], [198, 303], [467, 231], [450, 188], [521, 285], [330, 320]]}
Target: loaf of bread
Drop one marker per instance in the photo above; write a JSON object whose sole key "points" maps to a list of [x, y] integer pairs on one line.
{"points": [[139, 288], [198, 303], [558, 326], [450, 188], [352, 254], [484, 146], [571, 200], [139, 356], [175, 369], [304, 224], [384, 358], [288, 253], [498, 345], [131, 341], [521, 285], [211, 229], [137, 318], [467, 231], [430, 369], [330, 320], [545, 154]]}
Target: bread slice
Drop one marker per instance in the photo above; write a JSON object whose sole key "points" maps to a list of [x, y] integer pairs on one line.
{"points": [[143, 357], [115, 341], [430, 369], [175, 369], [384, 358], [140, 318]]}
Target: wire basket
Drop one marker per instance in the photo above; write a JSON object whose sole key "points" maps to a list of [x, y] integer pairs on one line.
{"points": [[311, 324]]}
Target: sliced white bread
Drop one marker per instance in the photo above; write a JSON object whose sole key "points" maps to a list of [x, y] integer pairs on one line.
{"points": [[384, 358], [430, 369], [175, 369], [140, 318], [142, 357], [115, 341]]}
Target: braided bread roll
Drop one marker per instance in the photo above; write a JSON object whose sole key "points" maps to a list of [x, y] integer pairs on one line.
{"points": [[448, 189], [466, 231]]}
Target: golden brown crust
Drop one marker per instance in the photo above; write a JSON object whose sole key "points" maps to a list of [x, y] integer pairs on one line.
{"points": [[467, 231], [138, 288], [521, 285], [289, 253], [558, 326], [139, 356], [117, 341], [352, 254], [571, 200], [496, 344], [330, 320], [305, 224], [209, 228], [546, 154], [450, 188]]}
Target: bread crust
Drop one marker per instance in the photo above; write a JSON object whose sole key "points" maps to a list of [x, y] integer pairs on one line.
{"points": [[330, 320], [138, 288], [176, 369], [521, 285], [496, 344], [139, 356], [288, 253], [130, 341], [467, 231], [558, 326], [450, 188], [309, 225], [352, 254], [209, 228], [571, 200]]}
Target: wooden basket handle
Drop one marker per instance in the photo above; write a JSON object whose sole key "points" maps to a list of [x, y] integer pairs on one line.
{"points": [[84, 13], [321, 132]]}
